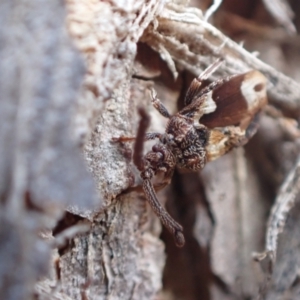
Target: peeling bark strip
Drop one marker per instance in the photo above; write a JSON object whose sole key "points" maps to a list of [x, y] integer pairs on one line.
{"points": [[283, 204]]}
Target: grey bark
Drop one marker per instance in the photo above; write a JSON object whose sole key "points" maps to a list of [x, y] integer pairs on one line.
{"points": [[41, 167]]}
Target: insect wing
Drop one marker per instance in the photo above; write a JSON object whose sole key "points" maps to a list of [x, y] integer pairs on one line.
{"points": [[237, 101]]}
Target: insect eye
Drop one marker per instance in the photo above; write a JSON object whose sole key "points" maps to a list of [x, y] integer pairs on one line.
{"points": [[158, 151]]}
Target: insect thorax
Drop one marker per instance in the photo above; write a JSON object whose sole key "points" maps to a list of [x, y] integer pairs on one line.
{"points": [[188, 143]]}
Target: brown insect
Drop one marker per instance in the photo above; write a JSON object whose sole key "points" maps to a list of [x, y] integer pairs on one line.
{"points": [[214, 120]]}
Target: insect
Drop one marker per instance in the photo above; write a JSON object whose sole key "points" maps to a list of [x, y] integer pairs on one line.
{"points": [[214, 120]]}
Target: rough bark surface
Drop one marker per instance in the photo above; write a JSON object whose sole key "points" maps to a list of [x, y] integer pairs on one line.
{"points": [[72, 75]]}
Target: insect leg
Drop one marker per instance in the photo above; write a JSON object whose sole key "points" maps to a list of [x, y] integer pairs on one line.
{"points": [[196, 85], [152, 136], [210, 70], [140, 137], [172, 226], [158, 104], [148, 136]]}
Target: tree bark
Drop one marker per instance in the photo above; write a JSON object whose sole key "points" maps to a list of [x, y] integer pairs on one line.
{"points": [[72, 75]]}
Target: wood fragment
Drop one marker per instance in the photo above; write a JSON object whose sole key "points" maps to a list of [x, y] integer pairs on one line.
{"points": [[284, 202]]}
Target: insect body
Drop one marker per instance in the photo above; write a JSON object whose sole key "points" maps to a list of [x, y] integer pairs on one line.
{"points": [[215, 119]]}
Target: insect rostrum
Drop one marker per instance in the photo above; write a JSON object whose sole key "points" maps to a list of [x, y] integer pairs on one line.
{"points": [[215, 119]]}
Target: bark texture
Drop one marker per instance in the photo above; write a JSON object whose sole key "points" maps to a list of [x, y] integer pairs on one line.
{"points": [[72, 75]]}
